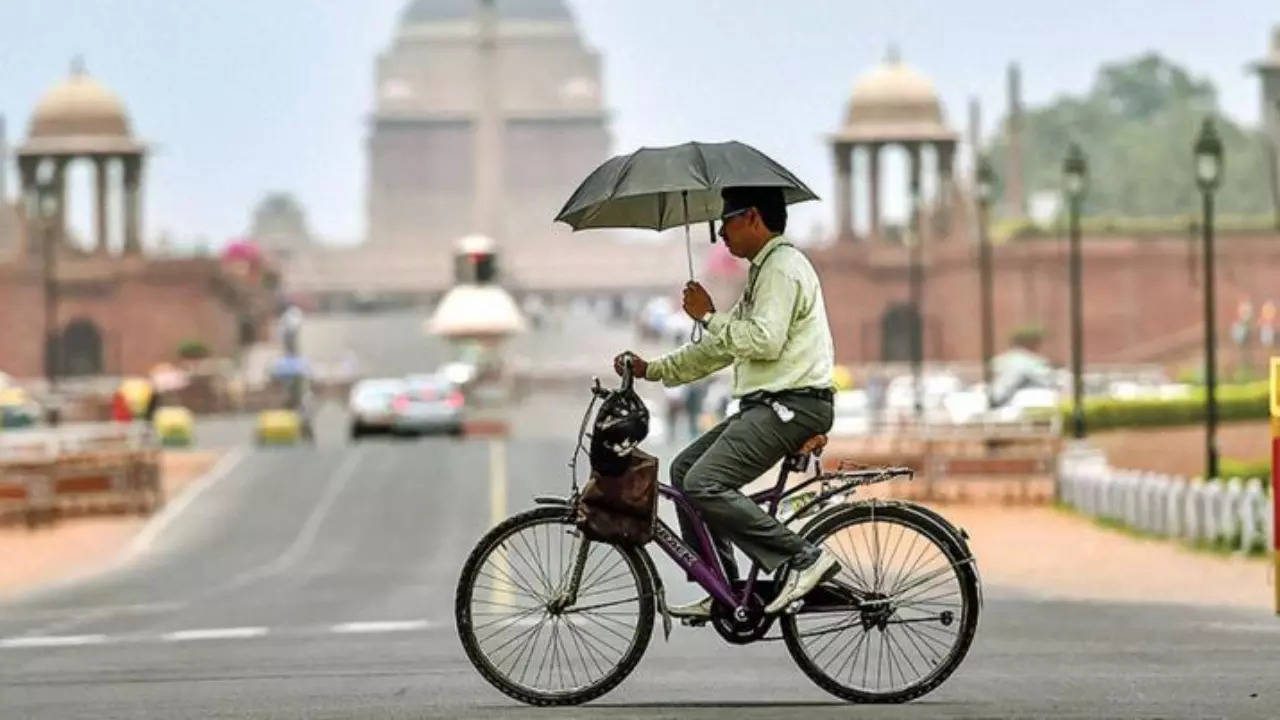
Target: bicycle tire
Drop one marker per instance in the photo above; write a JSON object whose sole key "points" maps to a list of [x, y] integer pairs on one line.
{"points": [[951, 545], [466, 628]]}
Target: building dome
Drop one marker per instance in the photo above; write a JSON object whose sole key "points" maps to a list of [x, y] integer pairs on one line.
{"points": [[79, 106], [420, 12], [893, 101]]}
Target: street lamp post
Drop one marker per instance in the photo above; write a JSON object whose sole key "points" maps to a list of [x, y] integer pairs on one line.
{"points": [[986, 189], [1208, 156], [915, 283], [1075, 176]]}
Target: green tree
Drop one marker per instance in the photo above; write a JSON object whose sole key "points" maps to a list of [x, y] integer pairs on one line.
{"points": [[1137, 125]]}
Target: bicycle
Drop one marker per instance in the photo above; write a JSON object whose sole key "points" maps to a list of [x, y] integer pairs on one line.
{"points": [[549, 617]]}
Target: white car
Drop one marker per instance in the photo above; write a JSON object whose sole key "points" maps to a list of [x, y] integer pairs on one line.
{"points": [[370, 404]]}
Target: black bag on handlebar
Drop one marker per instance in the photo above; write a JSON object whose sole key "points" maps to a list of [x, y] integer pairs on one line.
{"points": [[621, 509]]}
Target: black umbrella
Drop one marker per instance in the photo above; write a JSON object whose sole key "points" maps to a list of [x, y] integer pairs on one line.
{"points": [[661, 188]]}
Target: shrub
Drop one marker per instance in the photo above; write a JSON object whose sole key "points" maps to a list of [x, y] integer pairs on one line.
{"points": [[192, 350], [1231, 467], [1247, 401]]}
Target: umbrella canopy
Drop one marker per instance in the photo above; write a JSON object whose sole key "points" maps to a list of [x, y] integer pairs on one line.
{"points": [[648, 188]]}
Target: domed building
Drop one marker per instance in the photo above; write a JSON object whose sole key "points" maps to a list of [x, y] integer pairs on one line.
{"points": [[436, 174], [423, 161], [891, 104], [70, 310], [79, 118]]}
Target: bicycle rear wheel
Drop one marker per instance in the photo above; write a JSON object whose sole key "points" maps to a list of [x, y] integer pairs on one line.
{"points": [[520, 639], [900, 616]]}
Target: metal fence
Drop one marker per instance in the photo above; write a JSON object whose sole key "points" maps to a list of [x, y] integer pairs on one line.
{"points": [[1234, 513]]}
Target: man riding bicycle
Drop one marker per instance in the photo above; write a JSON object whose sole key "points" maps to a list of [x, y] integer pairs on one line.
{"points": [[779, 342]]}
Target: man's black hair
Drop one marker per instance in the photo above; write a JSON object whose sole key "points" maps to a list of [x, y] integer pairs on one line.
{"points": [[767, 200]]}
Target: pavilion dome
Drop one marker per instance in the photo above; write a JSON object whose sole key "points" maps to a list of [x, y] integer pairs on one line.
{"points": [[79, 106], [894, 101]]}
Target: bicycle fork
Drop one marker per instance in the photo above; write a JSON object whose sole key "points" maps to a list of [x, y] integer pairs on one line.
{"points": [[569, 594]]}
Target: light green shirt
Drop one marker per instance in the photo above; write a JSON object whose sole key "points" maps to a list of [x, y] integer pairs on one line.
{"points": [[776, 336]]}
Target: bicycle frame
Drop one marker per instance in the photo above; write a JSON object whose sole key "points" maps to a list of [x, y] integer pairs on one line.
{"points": [[703, 564]]}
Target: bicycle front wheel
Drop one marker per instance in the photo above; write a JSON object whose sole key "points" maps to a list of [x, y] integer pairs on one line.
{"points": [[898, 618], [517, 630]]}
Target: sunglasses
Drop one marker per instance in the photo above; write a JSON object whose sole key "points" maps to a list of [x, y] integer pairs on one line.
{"points": [[730, 215]]}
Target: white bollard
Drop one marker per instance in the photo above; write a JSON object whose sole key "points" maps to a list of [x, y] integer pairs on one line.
{"points": [[1252, 505], [1212, 500], [1229, 509], [1174, 500], [1191, 508]]}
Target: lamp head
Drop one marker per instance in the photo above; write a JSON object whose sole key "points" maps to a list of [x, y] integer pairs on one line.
{"points": [[1075, 172], [986, 181], [1208, 154]]}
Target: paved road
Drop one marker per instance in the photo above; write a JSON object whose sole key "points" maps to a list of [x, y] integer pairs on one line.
{"points": [[318, 582]]}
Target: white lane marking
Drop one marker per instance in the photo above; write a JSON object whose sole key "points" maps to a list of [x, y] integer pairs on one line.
{"points": [[310, 529], [35, 641], [380, 626], [143, 540], [233, 633], [500, 592], [497, 481], [1245, 627]]}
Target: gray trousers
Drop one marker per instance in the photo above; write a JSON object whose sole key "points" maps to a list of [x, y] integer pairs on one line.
{"points": [[738, 450]]}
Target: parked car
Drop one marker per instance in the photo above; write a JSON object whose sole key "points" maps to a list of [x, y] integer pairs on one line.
{"points": [[370, 405], [427, 404]]}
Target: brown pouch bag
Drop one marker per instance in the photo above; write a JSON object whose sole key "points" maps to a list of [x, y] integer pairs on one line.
{"points": [[621, 509]]}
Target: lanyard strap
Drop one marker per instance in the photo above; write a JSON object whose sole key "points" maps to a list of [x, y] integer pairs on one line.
{"points": [[754, 272]]}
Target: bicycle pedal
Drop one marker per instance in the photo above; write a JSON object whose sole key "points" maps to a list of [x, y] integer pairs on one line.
{"points": [[693, 622]]}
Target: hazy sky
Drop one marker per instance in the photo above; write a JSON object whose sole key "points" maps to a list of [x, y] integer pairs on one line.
{"points": [[244, 96]]}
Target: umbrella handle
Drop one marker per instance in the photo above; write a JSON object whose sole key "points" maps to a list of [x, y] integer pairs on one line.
{"points": [[695, 334]]}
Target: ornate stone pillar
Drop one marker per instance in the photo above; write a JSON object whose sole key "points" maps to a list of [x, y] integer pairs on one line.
{"points": [[60, 192], [946, 183], [873, 173], [913, 188], [100, 203], [133, 205], [28, 167], [844, 191]]}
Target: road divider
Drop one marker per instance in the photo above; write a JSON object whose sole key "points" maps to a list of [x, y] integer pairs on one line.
{"points": [[46, 475]]}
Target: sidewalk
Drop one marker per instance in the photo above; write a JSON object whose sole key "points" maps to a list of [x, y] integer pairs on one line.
{"points": [[1053, 553], [73, 545]]}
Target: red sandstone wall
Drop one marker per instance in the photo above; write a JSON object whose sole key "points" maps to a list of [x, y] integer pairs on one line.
{"points": [[1142, 297], [143, 310]]}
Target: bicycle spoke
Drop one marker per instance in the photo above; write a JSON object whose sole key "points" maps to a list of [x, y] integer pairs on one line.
{"points": [[915, 538], [585, 649], [507, 620], [855, 565], [586, 632], [508, 579], [601, 625], [908, 571]]}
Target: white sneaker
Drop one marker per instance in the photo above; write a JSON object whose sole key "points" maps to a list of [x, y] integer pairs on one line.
{"points": [[700, 610], [800, 583]]}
